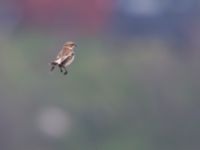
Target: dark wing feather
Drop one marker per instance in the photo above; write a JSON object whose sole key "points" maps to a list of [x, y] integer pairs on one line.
{"points": [[67, 59]]}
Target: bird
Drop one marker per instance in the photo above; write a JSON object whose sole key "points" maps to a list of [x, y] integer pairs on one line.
{"points": [[65, 57]]}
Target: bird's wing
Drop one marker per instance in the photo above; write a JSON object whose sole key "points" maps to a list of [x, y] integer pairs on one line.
{"points": [[68, 59], [64, 52], [62, 55]]}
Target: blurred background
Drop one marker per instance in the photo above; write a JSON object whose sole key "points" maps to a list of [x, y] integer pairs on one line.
{"points": [[134, 84]]}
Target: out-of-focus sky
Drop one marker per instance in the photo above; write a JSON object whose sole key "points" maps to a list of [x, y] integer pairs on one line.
{"points": [[134, 84]]}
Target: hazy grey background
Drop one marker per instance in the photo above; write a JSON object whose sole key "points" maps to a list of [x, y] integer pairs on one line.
{"points": [[134, 85]]}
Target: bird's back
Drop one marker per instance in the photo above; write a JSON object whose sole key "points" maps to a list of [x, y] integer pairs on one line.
{"points": [[63, 52]]}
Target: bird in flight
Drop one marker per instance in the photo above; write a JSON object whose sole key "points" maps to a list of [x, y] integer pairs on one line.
{"points": [[65, 57]]}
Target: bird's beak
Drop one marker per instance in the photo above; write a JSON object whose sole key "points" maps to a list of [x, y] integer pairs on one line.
{"points": [[75, 45]]}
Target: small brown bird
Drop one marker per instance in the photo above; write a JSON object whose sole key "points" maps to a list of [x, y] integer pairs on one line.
{"points": [[65, 57]]}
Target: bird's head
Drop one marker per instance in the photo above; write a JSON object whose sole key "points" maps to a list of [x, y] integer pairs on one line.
{"points": [[70, 45]]}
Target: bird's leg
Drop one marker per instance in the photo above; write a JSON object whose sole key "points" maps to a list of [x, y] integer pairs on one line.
{"points": [[53, 66], [60, 66], [60, 69], [66, 72]]}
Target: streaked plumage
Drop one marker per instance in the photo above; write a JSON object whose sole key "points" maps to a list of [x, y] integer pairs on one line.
{"points": [[65, 57]]}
